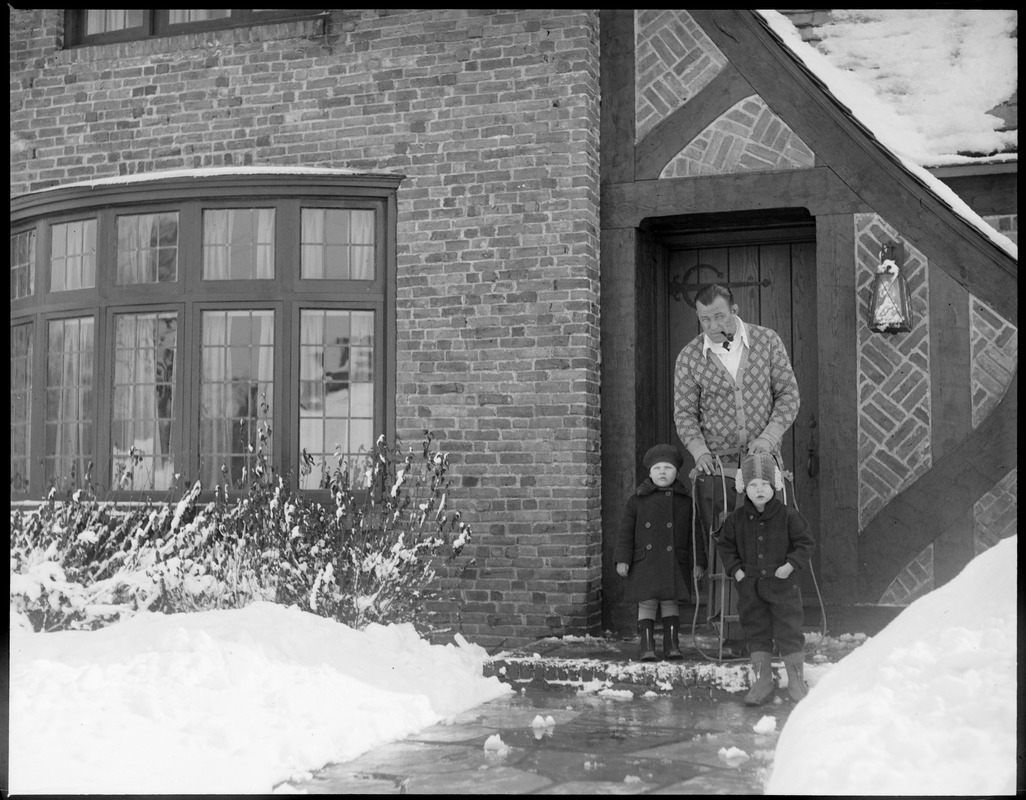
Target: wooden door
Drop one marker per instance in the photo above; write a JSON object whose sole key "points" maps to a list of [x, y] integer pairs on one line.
{"points": [[772, 274]]}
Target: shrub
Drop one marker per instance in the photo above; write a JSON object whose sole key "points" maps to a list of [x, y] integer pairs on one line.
{"points": [[368, 555]]}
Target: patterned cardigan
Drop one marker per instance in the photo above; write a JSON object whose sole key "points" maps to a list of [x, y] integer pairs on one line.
{"points": [[710, 408]]}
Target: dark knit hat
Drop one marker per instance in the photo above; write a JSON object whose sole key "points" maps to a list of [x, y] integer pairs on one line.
{"points": [[663, 452]]}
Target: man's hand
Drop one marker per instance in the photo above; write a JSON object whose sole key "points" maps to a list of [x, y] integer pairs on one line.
{"points": [[784, 571], [739, 575], [622, 568], [698, 571], [705, 464], [759, 445]]}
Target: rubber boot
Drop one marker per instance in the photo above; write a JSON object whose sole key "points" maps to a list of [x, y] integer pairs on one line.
{"points": [[796, 686], [646, 640], [671, 639], [764, 685]]}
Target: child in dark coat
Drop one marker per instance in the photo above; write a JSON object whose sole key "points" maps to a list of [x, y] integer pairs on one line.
{"points": [[761, 545], [654, 553]]}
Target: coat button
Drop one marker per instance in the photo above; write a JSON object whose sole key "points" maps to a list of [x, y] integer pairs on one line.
{"points": [[669, 548], [669, 524], [648, 524], [760, 538], [648, 547]]}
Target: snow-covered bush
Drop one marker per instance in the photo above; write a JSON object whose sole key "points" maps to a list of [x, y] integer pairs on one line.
{"points": [[369, 555]]}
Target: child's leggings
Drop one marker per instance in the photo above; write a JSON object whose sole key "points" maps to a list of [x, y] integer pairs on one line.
{"points": [[647, 608]]}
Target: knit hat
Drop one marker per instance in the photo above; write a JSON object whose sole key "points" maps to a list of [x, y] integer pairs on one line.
{"points": [[759, 465], [663, 452]]}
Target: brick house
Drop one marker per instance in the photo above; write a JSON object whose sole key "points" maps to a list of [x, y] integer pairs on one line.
{"points": [[377, 221]]}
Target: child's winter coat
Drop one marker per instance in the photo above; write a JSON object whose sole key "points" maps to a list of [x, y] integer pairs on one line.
{"points": [[655, 539]]}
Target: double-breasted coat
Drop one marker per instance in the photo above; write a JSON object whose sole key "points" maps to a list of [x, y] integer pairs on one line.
{"points": [[655, 539]]}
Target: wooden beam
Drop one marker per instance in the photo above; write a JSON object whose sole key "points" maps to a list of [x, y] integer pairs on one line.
{"points": [[625, 205], [871, 170], [838, 407], [674, 132], [940, 498], [618, 397], [616, 81], [950, 405]]}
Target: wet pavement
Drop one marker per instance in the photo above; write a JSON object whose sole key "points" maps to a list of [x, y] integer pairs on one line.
{"points": [[585, 718]]}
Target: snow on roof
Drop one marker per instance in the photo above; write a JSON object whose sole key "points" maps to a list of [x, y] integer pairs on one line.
{"points": [[895, 132], [207, 172], [923, 63]]}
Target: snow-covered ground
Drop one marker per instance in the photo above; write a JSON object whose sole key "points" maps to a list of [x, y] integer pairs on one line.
{"points": [[925, 707], [222, 702]]}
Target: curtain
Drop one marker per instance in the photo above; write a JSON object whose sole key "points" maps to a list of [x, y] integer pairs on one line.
{"points": [[217, 237], [215, 399], [135, 402], [69, 402]]}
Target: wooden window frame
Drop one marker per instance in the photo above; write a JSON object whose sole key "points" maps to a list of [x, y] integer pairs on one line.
{"points": [[156, 24], [190, 295]]}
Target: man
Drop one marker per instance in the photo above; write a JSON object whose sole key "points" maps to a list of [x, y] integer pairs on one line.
{"points": [[734, 389]]}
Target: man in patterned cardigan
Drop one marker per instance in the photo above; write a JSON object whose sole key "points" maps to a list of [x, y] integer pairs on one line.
{"points": [[734, 393], [734, 389]]}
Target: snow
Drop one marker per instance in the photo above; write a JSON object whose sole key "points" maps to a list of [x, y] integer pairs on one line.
{"points": [[927, 706], [881, 96], [222, 702], [214, 172]]}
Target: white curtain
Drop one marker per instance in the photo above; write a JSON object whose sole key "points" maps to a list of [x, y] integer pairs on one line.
{"points": [[217, 239], [215, 402], [71, 416], [136, 415]]}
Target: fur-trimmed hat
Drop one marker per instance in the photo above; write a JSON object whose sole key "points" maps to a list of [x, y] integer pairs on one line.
{"points": [[661, 453], [759, 465]]}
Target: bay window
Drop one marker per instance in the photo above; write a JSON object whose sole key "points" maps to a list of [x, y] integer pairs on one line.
{"points": [[185, 329]]}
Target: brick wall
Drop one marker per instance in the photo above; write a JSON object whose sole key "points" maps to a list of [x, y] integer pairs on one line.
{"points": [[493, 118]]}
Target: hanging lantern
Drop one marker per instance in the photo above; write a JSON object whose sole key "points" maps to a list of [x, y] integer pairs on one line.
{"points": [[890, 307]]}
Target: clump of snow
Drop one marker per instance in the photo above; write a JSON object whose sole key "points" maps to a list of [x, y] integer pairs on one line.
{"points": [[222, 702], [543, 722], [927, 706], [620, 694], [632, 779], [734, 756], [765, 725], [494, 744]]}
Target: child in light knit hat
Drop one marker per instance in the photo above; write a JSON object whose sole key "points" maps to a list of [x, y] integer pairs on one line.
{"points": [[761, 545], [654, 550]]}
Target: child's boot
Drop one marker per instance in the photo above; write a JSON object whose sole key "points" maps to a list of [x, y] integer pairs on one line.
{"points": [[796, 686], [671, 638], [646, 640], [764, 685]]}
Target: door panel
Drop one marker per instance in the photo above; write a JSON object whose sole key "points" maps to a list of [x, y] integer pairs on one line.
{"points": [[779, 292]]}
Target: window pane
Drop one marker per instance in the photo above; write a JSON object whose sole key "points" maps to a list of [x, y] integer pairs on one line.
{"points": [[337, 244], [237, 369], [238, 243], [23, 264], [104, 21], [144, 366], [148, 248], [69, 414], [21, 404], [336, 407], [177, 16], [73, 255]]}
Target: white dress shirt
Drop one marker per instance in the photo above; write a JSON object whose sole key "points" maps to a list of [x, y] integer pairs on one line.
{"points": [[731, 358]]}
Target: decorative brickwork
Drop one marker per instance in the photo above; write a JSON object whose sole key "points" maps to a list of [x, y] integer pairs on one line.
{"points": [[913, 582], [493, 117], [894, 380], [747, 138], [995, 354], [675, 61], [995, 514]]}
